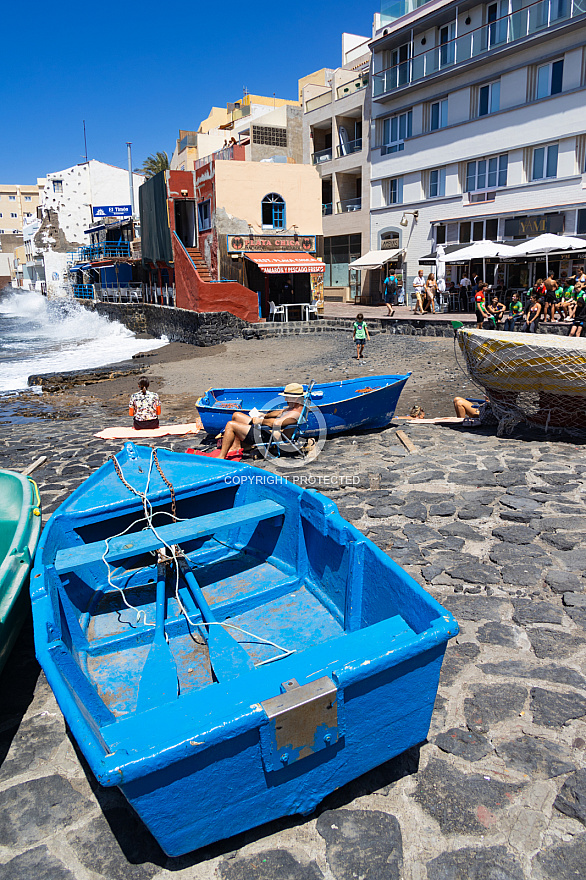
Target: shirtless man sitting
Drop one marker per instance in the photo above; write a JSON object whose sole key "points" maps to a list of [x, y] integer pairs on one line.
{"points": [[240, 430]]}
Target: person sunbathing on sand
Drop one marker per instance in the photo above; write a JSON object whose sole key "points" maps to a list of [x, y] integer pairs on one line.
{"points": [[240, 430]]}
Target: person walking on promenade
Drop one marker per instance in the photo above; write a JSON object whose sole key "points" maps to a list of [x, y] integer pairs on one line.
{"points": [[418, 285], [390, 283], [430, 293]]}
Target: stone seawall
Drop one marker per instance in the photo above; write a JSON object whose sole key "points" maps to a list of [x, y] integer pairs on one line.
{"points": [[213, 328], [178, 325]]}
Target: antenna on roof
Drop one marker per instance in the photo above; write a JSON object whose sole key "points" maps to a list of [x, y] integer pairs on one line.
{"points": [[85, 140]]}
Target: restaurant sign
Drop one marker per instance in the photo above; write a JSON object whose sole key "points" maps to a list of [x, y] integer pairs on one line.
{"points": [[529, 227], [390, 244], [271, 244]]}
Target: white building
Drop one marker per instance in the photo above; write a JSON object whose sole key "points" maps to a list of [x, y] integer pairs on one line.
{"points": [[336, 113], [68, 205], [478, 127]]}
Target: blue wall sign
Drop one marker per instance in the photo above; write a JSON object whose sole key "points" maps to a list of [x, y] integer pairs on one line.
{"points": [[112, 211]]}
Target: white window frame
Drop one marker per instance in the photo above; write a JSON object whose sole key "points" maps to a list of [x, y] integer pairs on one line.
{"points": [[395, 130], [11, 198], [442, 114], [28, 198], [544, 160], [493, 103], [437, 183], [490, 173], [393, 190], [13, 215], [544, 77]]}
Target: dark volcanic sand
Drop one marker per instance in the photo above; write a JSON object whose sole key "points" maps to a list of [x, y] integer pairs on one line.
{"points": [[181, 373]]}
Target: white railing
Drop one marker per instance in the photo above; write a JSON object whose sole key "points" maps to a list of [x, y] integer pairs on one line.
{"points": [[532, 19]]}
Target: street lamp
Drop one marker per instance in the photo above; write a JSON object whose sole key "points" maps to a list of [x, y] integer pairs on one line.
{"points": [[404, 222]]}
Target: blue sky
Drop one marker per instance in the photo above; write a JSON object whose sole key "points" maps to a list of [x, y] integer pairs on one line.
{"points": [[136, 73]]}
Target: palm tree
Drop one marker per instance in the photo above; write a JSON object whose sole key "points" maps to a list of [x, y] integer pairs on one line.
{"points": [[154, 163]]}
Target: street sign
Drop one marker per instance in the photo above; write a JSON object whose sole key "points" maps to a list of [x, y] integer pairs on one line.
{"points": [[112, 211]]}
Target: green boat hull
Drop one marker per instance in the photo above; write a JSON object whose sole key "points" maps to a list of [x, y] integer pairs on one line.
{"points": [[20, 527]]}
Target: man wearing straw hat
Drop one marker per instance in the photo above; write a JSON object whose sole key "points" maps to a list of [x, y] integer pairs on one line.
{"points": [[240, 430]]}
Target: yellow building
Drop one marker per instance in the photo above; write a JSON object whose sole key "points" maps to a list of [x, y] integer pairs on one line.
{"points": [[18, 204], [233, 124]]}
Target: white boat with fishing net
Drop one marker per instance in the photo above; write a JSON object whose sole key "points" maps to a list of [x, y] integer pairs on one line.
{"points": [[528, 377]]}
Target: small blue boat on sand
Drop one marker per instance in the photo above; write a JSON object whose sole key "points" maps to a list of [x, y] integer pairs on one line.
{"points": [[267, 656], [367, 404]]}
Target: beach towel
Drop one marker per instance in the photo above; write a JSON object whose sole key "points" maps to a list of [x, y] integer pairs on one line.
{"points": [[128, 433]]}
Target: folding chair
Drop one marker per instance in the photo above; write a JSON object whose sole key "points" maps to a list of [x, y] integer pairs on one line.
{"points": [[292, 438]]}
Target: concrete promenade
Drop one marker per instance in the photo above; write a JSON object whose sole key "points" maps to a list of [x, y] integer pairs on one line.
{"points": [[493, 528]]}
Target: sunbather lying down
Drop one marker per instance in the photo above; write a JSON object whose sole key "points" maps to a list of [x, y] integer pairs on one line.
{"points": [[467, 414], [240, 431]]}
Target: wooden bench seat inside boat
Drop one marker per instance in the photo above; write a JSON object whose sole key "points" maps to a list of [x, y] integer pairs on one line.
{"points": [[136, 543]]}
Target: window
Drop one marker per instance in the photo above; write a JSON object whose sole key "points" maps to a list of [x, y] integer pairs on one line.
{"points": [[393, 191], [549, 79], [273, 211], [11, 198], [204, 216], [486, 173], [497, 23], [13, 215], [440, 234], [446, 41], [545, 162], [27, 198], [57, 186], [581, 225], [438, 115], [489, 97], [1, 215], [1, 232], [273, 137], [437, 183], [395, 130], [28, 214], [396, 62]]}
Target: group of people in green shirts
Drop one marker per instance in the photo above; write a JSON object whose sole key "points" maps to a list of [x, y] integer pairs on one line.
{"points": [[549, 301]]}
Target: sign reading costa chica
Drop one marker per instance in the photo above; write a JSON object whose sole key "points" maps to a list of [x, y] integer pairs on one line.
{"points": [[272, 243]]}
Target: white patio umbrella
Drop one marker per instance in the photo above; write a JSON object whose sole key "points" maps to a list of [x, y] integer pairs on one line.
{"points": [[549, 243], [482, 250]]}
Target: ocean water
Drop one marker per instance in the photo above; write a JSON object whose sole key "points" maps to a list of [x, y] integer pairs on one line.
{"points": [[47, 336]]}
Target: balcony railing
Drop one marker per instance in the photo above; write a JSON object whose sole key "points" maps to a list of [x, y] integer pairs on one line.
{"points": [[83, 291], [510, 28], [95, 252], [119, 293], [322, 156], [349, 147], [347, 205], [319, 101], [351, 87], [326, 209]]}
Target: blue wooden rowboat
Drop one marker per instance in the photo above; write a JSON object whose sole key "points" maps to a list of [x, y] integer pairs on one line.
{"points": [[326, 665], [350, 404], [20, 527]]}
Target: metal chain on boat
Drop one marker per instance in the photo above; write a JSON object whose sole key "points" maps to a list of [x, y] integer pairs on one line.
{"points": [[167, 482]]}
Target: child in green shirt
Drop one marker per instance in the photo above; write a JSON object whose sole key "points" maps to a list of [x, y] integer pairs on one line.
{"points": [[360, 335]]}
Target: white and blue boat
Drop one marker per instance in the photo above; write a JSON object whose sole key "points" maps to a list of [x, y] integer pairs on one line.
{"points": [[364, 404], [269, 655]]}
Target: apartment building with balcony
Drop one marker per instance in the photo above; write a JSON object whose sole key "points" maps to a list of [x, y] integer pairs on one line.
{"points": [[478, 130], [266, 126], [336, 109]]}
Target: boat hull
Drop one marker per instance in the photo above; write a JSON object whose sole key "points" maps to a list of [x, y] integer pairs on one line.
{"points": [[19, 534], [537, 378], [366, 404], [228, 755]]}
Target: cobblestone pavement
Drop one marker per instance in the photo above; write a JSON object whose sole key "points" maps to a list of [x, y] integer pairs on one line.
{"points": [[493, 529]]}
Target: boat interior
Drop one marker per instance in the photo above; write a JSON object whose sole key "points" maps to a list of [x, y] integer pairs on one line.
{"points": [[277, 567]]}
